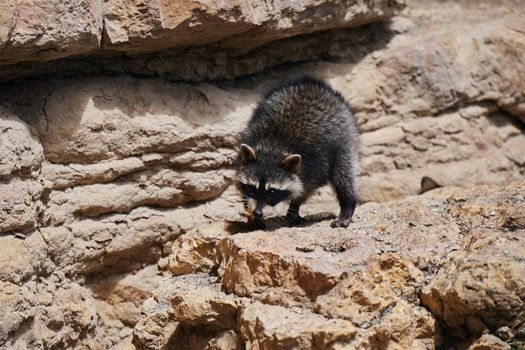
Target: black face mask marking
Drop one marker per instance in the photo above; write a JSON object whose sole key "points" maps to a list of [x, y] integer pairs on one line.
{"points": [[262, 195], [275, 196], [248, 190]]}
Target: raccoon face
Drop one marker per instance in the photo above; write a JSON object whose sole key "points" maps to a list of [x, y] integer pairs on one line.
{"points": [[268, 179]]}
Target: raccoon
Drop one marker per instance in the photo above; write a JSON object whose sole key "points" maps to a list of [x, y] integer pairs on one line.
{"points": [[301, 136]]}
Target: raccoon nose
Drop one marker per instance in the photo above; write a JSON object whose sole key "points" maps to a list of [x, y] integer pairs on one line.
{"points": [[258, 213]]}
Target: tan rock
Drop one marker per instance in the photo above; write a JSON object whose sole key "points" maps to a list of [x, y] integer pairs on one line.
{"points": [[243, 24], [404, 326], [482, 285], [42, 30], [18, 306], [184, 302], [21, 152], [19, 205], [21, 155], [514, 150], [21, 258], [384, 136], [161, 188], [275, 267], [369, 275], [489, 342], [83, 125], [126, 292], [275, 327], [137, 168], [66, 316], [196, 251], [63, 176]]}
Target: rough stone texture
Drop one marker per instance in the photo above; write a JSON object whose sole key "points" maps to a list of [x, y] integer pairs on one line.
{"points": [[108, 183], [47, 30], [483, 285], [241, 25], [20, 160], [43, 30], [316, 287]]}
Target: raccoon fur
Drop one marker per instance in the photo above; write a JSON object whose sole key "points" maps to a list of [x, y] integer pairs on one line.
{"points": [[301, 136]]}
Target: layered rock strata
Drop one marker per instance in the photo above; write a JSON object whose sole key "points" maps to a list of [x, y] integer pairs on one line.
{"points": [[413, 274], [107, 182]]}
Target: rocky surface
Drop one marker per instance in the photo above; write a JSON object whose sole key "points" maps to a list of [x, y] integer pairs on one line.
{"points": [[49, 30], [111, 176], [412, 274]]}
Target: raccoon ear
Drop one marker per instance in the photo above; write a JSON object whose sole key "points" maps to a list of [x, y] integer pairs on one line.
{"points": [[291, 162], [247, 154]]}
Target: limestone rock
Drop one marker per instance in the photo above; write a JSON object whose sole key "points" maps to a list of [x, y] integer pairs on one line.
{"points": [[20, 259], [241, 24], [120, 181], [21, 155], [275, 327], [163, 188], [125, 293], [489, 342], [196, 251], [46, 30], [18, 306], [43, 30], [184, 302], [64, 315], [19, 205], [361, 285], [482, 287]]}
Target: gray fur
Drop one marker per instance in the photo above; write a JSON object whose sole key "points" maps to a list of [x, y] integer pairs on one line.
{"points": [[303, 117]]}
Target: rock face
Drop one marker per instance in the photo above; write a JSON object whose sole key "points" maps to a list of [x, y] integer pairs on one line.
{"points": [[452, 256], [48, 30], [119, 227]]}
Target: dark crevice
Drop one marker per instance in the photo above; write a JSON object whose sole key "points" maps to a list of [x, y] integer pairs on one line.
{"points": [[213, 62]]}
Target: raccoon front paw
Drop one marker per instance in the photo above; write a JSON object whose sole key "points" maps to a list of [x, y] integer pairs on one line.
{"points": [[340, 223]]}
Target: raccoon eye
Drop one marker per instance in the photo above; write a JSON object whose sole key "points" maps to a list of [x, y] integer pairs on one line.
{"points": [[249, 190], [275, 196]]}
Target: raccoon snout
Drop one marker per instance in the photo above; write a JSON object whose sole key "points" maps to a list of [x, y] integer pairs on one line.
{"points": [[258, 213]]}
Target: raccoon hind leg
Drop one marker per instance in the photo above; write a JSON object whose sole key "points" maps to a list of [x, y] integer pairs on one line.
{"points": [[343, 180]]}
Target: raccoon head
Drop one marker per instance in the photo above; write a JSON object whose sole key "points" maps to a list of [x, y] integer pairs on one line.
{"points": [[267, 178]]}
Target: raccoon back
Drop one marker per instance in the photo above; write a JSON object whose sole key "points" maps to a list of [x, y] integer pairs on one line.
{"points": [[304, 115]]}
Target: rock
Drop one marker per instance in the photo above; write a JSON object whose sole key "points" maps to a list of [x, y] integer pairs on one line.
{"points": [[64, 315], [103, 28], [20, 259], [489, 342], [242, 25], [162, 188], [19, 205], [22, 153], [196, 251], [18, 306], [64, 176], [275, 327], [369, 276], [481, 287], [119, 226], [44, 30], [514, 147], [383, 136], [184, 302], [126, 292]]}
